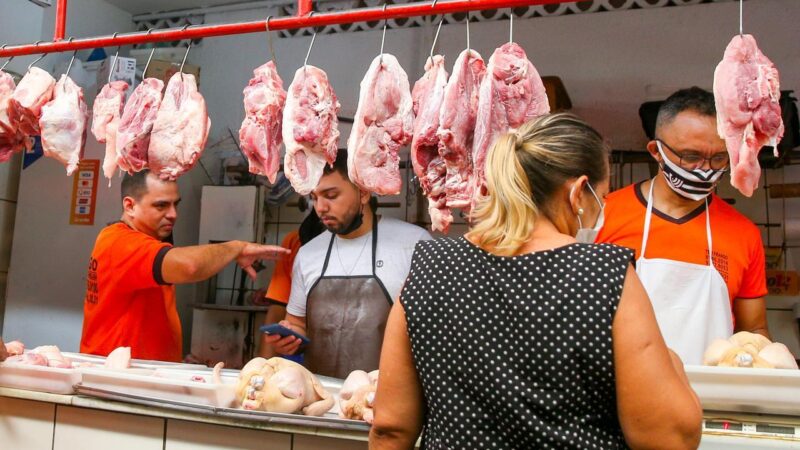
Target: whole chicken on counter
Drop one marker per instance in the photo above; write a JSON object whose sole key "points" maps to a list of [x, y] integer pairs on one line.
{"points": [[281, 386], [751, 350], [357, 395]]}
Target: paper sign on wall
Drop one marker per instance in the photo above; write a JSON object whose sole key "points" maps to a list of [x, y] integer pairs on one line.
{"points": [[84, 192], [783, 282]]}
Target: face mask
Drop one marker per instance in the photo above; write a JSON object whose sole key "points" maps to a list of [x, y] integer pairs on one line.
{"points": [[694, 185], [588, 235]]}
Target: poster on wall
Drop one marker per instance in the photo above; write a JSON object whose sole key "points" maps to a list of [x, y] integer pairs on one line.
{"points": [[84, 192]]}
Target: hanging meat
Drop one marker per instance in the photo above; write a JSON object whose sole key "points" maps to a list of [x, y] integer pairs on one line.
{"points": [[747, 91], [383, 124], [32, 93], [429, 166], [11, 140], [457, 126], [310, 128], [511, 94], [63, 124], [260, 135], [136, 123], [180, 130], [106, 113]]}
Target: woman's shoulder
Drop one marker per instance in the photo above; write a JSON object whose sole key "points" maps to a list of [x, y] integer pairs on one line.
{"points": [[606, 251]]}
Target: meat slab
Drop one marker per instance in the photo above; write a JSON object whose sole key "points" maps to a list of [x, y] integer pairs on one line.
{"points": [[260, 135], [63, 124]]}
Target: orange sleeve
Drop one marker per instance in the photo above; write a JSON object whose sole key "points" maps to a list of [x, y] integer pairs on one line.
{"points": [[141, 258], [280, 284], [754, 279]]}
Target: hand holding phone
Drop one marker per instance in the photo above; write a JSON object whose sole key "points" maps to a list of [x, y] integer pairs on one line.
{"points": [[282, 331]]}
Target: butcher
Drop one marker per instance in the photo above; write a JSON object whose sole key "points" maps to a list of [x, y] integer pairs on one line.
{"points": [[133, 270], [345, 280], [675, 221]]}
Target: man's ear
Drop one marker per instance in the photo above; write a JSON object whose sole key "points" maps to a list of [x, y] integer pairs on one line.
{"points": [[652, 148], [128, 204]]}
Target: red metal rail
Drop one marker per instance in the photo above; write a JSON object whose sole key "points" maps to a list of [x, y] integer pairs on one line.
{"points": [[278, 23], [61, 20]]}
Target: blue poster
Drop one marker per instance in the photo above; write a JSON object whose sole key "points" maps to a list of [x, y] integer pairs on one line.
{"points": [[33, 154]]}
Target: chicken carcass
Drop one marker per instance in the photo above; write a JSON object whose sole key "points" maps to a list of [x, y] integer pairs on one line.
{"points": [[282, 386], [53, 356], [32, 93], [747, 94], [63, 124], [106, 113], [180, 130], [357, 396], [457, 119], [310, 128], [136, 123], [260, 135], [15, 348], [511, 94], [383, 124], [429, 166]]}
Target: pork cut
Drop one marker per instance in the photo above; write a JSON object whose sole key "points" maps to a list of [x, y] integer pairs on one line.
{"points": [[457, 126], [310, 128], [181, 129], [11, 139], [32, 93], [63, 124], [429, 166], [383, 124], [106, 113], [747, 94], [511, 94], [136, 123], [260, 135]]}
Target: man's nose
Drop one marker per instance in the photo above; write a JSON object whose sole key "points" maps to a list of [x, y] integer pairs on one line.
{"points": [[172, 213]]}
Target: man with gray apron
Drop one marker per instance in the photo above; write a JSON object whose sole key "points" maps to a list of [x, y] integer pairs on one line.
{"points": [[345, 280], [700, 261]]}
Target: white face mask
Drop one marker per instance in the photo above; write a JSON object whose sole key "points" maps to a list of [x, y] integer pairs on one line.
{"points": [[588, 235], [694, 185]]}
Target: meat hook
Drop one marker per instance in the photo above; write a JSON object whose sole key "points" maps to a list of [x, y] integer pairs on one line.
{"points": [[37, 59], [269, 43], [511, 25], [741, 18], [114, 62], [72, 60], [436, 37], [468, 47], [383, 37], [310, 46], [3, 67], [187, 51], [149, 58]]}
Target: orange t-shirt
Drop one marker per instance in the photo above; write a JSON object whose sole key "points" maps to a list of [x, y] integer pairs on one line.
{"points": [[127, 303], [280, 285], [736, 241]]}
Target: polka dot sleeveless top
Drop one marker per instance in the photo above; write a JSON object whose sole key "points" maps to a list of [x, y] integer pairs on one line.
{"points": [[515, 352]]}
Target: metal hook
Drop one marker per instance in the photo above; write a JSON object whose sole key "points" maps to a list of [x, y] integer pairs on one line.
{"points": [[310, 46], [433, 5], [149, 58], [436, 37], [114, 61], [72, 60], [385, 24], [37, 59], [741, 18], [3, 67], [468, 47], [511, 26], [186, 27], [269, 43]]}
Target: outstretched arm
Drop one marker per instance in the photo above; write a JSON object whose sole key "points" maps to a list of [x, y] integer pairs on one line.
{"points": [[199, 262]]}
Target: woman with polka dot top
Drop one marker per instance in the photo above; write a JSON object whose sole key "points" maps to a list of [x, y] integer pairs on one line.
{"points": [[519, 336]]}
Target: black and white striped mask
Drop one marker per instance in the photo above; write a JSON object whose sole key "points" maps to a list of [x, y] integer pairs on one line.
{"points": [[694, 185]]}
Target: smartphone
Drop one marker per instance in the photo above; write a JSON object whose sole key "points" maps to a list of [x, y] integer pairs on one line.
{"points": [[282, 331]]}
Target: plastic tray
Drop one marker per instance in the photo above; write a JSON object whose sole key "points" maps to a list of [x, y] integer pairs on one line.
{"points": [[39, 378], [135, 363], [762, 391]]}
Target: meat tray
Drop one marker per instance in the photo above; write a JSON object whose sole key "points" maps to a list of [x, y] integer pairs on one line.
{"points": [[39, 378], [763, 391]]}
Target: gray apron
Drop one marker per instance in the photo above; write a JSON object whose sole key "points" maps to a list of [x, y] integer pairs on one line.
{"points": [[345, 319]]}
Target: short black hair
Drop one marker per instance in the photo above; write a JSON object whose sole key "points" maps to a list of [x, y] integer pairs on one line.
{"points": [[340, 165], [134, 185], [692, 99]]}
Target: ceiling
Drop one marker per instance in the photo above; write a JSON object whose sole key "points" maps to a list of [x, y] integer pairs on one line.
{"points": [[153, 6]]}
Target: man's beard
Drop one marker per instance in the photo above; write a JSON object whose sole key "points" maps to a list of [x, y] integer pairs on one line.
{"points": [[351, 223]]}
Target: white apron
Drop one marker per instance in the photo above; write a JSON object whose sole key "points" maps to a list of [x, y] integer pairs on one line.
{"points": [[690, 300]]}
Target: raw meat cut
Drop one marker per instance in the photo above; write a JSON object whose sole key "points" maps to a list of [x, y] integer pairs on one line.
{"points": [[63, 124], [281, 386], [511, 94], [29, 359], [779, 356], [136, 123], [119, 358], [383, 124], [15, 348], [32, 93], [106, 113], [429, 166], [180, 130], [260, 135], [310, 128], [11, 139], [53, 355], [746, 92], [457, 125], [357, 395]]}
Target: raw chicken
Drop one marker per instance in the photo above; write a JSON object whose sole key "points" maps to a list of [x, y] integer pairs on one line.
{"points": [[357, 396], [15, 348], [310, 128], [136, 123], [282, 386], [118, 359], [30, 359], [106, 113], [260, 135], [747, 91], [63, 124], [53, 356], [511, 94], [383, 124], [429, 166], [180, 130], [457, 118], [743, 357], [778, 355], [754, 340], [715, 351], [32, 93]]}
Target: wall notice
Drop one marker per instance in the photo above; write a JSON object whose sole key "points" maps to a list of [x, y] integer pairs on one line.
{"points": [[84, 192]]}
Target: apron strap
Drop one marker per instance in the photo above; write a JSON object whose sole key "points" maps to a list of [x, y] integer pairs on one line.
{"points": [[708, 234], [647, 217], [327, 256], [374, 243]]}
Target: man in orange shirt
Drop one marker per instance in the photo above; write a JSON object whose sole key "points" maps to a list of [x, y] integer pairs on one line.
{"points": [[130, 295], [674, 222]]}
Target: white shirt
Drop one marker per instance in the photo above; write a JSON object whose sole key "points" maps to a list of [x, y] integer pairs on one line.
{"points": [[351, 257]]}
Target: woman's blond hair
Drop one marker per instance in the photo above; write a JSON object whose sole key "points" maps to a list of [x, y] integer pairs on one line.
{"points": [[524, 169]]}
